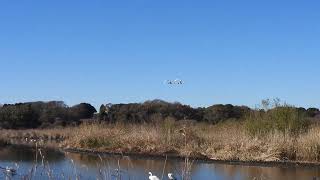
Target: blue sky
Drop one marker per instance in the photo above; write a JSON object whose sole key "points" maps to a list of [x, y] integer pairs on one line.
{"points": [[235, 52]]}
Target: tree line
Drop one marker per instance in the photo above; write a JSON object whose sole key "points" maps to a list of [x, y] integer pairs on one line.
{"points": [[43, 114], [158, 110], [57, 113]]}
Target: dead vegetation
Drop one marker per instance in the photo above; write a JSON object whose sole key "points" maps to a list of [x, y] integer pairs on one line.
{"points": [[224, 141]]}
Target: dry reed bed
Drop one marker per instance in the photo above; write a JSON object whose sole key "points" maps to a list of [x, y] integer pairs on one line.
{"points": [[30, 135], [225, 141]]}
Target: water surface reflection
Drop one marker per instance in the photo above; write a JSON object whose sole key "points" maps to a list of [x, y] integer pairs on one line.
{"points": [[64, 165]]}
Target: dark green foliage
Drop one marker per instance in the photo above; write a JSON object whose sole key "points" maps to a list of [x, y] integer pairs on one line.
{"points": [[219, 112], [43, 114], [18, 116], [57, 113], [53, 112], [149, 111], [82, 111], [158, 110], [312, 112]]}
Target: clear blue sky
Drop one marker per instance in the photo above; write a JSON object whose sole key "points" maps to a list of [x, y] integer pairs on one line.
{"points": [[103, 51]]}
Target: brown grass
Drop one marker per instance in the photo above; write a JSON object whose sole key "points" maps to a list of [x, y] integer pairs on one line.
{"points": [[224, 141]]}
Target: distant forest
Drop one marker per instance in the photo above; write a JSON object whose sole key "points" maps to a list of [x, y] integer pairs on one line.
{"points": [[58, 114], [43, 114]]}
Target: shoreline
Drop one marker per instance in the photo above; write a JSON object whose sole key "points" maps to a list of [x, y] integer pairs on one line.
{"points": [[226, 143], [201, 159], [285, 164]]}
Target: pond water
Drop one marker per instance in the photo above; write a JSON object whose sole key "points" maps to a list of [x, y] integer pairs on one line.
{"points": [[54, 164]]}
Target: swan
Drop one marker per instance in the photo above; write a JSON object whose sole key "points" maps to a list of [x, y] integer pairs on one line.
{"points": [[9, 170], [152, 177], [171, 176]]}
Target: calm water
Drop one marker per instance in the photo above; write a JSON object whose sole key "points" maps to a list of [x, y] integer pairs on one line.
{"points": [[62, 165]]}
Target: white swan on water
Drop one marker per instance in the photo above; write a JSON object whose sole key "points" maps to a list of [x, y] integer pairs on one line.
{"points": [[152, 177], [171, 176], [9, 170]]}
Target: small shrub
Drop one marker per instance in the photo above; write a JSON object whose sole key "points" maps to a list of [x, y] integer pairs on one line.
{"points": [[280, 117]]}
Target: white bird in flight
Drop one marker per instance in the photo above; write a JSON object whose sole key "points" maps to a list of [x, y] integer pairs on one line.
{"points": [[174, 82]]}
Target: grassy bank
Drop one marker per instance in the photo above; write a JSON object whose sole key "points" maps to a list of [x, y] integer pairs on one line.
{"points": [[225, 141]]}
